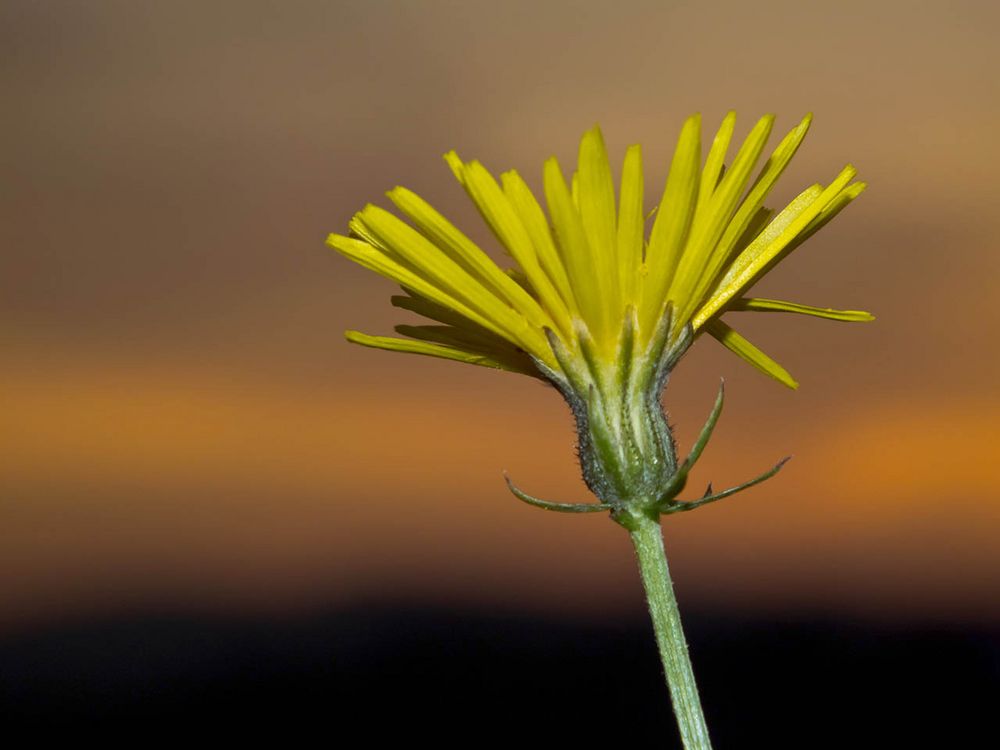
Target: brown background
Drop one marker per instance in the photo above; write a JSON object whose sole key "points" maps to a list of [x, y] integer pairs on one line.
{"points": [[184, 428]]}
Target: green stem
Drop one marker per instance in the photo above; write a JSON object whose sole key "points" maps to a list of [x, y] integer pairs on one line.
{"points": [[648, 540]]}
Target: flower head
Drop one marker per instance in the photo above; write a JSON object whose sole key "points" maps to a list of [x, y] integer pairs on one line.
{"points": [[604, 312], [591, 303]]}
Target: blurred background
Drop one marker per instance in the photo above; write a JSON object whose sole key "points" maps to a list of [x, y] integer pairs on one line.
{"points": [[212, 507]]}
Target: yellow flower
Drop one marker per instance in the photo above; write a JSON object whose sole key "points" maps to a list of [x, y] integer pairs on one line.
{"points": [[582, 271], [604, 312], [591, 303]]}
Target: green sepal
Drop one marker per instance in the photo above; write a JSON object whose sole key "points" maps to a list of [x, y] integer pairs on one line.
{"points": [[606, 461], [661, 334], [679, 479], [626, 347], [672, 356], [682, 506], [591, 356], [547, 505], [570, 371], [661, 360]]}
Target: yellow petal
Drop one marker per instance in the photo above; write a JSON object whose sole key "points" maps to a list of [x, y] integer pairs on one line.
{"points": [[597, 214], [464, 251], [631, 223], [423, 306], [700, 262], [371, 258], [537, 227], [780, 230], [773, 305], [448, 276], [429, 349], [575, 252], [472, 343], [500, 215], [715, 163], [748, 210], [735, 343], [757, 224], [764, 252], [833, 208], [673, 220]]}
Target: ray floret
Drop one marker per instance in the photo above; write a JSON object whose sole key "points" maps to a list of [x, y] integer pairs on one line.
{"points": [[588, 256], [597, 299]]}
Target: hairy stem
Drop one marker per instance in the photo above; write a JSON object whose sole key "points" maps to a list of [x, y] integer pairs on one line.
{"points": [[648, 540]]}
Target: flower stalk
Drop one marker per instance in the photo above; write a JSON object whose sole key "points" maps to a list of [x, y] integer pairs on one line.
{"points": [[629, 461], [648, 541]]}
